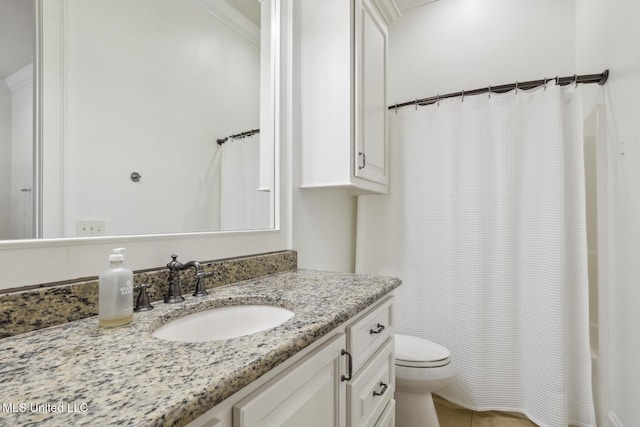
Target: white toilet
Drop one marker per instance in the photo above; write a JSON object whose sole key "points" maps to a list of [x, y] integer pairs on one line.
{"points": [[422, 367]]}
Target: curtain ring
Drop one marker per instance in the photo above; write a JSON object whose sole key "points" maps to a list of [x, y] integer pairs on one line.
{"points": [[462, 95], [575, 80], [438, 101], [416, 105], [557, 80], [545, 83], [396, 109], [516, 88], [489, 91]]}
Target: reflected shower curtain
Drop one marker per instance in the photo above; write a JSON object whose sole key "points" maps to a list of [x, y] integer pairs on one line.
{"points": [[485, 224], [242, 206]]}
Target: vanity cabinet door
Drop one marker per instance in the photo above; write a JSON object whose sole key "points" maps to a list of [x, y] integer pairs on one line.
{"points": [[388, 417], [309, 394], [372, 389]]}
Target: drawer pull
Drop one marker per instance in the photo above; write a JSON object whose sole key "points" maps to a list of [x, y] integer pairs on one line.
{"points": [[382, 390], [350, 366], [379, 328]]}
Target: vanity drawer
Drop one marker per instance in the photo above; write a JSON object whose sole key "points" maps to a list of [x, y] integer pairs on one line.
{"points": [[372, 389], [366, 335]]}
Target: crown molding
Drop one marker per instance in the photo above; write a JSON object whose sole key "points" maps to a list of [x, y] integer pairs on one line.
{"points": [[389, 10], [405, 5], [230, 16]]}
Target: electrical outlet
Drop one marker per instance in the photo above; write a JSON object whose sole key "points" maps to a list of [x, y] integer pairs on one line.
{"points": [[90, 227]]}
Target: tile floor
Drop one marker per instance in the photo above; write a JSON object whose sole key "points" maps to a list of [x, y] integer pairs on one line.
{"points": [[451, 415]]}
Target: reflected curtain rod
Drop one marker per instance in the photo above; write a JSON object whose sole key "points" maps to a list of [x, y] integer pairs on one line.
{"points": [[560, 81], [238, 135]]}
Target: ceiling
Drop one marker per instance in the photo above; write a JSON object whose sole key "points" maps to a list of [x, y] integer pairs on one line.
{"points": [[17, 29]]}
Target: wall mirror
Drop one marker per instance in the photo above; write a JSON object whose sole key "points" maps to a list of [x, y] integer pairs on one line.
{"points": [[150, 117]]}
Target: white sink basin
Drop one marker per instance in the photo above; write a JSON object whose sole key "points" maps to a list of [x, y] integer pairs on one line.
{"points": [[223, 322]]}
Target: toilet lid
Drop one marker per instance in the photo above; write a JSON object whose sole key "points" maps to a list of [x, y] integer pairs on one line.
{"points": [[419, 352]]}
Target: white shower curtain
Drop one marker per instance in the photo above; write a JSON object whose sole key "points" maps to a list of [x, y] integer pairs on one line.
{"points": [[485, 224], [242, 206]]}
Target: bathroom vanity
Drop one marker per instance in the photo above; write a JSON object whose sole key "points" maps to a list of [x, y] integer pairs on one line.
{"points": [[322, 386], [331, 362]]}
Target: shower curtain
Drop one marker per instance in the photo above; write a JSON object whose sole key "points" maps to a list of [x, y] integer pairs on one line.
{"points": [[242, 206], [485, 224]]}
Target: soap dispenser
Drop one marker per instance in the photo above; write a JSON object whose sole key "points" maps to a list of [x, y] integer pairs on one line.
{"points": [[115, 296]]}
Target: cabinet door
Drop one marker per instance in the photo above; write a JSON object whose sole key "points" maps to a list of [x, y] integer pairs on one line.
{"points": [[388, 417], [371, 111], [310, 394]]}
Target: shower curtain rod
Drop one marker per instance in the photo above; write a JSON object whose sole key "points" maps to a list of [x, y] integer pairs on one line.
{"points": [[560, 81], [239, 135]]}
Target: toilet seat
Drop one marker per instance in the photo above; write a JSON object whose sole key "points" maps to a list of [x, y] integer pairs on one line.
{"points": [[416, 352]]}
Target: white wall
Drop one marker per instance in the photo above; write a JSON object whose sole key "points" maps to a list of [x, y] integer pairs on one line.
{"points": [[5, 159], [607, 35], [324, 227], [450, 45], [151, 97]]}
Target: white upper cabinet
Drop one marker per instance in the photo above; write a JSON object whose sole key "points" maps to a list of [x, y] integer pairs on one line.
{"points": [[341, 53]]}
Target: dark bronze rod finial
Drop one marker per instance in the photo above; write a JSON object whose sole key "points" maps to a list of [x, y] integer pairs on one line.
{"points": [[605, 77]]}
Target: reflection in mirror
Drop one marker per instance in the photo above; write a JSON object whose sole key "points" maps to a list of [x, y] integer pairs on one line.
{"points": [[133, 96], [17, 47]]}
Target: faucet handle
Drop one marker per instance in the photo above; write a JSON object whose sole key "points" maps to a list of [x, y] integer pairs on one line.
{"points": [[201, 289], [142, 302], [173, 263]]}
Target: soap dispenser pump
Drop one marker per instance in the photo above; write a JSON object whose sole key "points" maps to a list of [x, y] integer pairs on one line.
{"points": [[115, 294]]}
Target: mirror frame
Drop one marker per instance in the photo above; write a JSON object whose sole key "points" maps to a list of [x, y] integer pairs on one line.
{"points": [[46, 261]]}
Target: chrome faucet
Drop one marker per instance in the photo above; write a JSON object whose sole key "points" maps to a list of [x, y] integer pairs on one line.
{"points": [[174, 295]]}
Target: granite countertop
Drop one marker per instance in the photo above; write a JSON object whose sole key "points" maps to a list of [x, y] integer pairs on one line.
{"points": [[79, 374]]}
